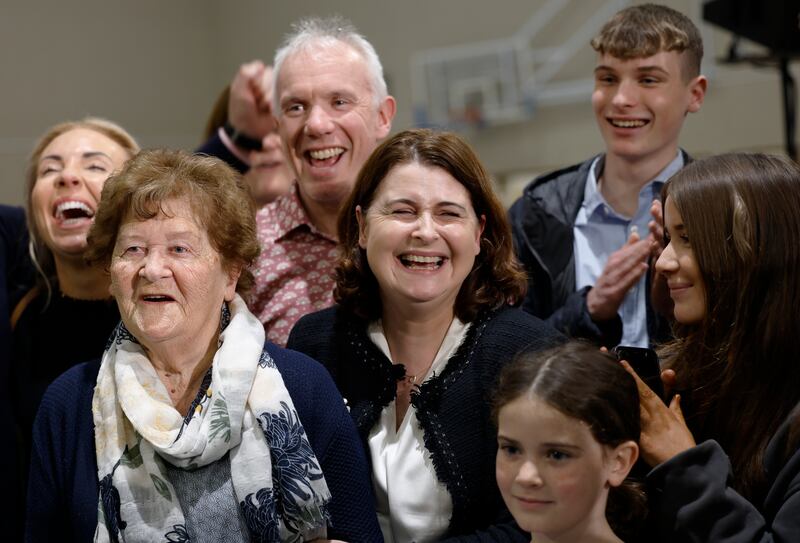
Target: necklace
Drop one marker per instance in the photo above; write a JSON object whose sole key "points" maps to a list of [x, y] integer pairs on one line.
{"points": [[412, 379]]}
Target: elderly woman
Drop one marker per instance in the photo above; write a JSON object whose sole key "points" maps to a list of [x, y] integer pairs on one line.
{"points": [[189, 428], [421, 330]]}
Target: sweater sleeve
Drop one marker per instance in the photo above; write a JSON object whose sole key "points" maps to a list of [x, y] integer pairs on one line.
{"points": [[353, 516], [216, 148], [13, 263], [19, 275], [44, 505], [62, 486], [333, 437], [573, 320], [691, 500]]}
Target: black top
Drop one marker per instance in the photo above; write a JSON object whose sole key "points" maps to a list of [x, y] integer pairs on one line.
{"points": [[16, 270], [47, 341], [690, 497], [453, 408], [17, 276], [50, 340]]}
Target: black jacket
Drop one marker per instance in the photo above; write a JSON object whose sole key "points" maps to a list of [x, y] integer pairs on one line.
{"points": [[543, 222], [690, 498], [453, 408], [17, 275]]}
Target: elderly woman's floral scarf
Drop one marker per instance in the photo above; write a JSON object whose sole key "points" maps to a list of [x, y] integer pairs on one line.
{"points": [[248, 413]]}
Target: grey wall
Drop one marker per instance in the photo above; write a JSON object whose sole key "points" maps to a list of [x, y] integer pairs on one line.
{"points": [[156, 66], [150, 66]]}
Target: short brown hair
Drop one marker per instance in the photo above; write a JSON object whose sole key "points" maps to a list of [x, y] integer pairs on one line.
{"points": [[40, 253], [645, 30], [215, 192], [496, 278]]}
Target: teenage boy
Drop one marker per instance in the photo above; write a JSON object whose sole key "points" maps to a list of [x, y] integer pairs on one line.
{"points": [[585, 233]]}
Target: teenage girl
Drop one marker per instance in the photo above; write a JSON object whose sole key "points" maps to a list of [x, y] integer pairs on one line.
{"points": [[726, 453]]}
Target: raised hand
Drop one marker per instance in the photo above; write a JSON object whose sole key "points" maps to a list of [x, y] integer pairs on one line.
{"points": [[250, 102], [659, 292], [622, 271], [656, 227], [664, 431]]}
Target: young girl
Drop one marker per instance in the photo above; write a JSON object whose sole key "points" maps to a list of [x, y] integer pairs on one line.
{"points": [[732, 223], [568, 427]]}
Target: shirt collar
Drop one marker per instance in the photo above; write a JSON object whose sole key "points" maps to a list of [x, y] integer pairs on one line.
{"points": [[592, 198], [452, 341], [288, 214]]}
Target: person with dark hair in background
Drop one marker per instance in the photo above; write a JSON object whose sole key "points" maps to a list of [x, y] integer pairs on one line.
{"points": [[423, 325], [268, 174], [190, 428], [731, 262], [568, 432], [581, 232]]}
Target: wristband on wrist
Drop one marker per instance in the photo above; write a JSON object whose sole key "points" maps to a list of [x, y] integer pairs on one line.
{"points": [[240, 139]]}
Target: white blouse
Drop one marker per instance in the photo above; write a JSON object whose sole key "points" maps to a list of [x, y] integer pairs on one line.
{"points": [[412, 504]]}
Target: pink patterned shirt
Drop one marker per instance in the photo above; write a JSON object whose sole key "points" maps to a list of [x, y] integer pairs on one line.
{"points": [[294, 272]]}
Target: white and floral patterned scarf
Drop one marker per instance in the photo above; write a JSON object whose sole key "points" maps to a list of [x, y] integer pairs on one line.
{"points": [[248, 413]]}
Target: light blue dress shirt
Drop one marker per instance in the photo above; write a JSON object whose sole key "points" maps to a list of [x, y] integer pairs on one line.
{"points": [[599, 231]]}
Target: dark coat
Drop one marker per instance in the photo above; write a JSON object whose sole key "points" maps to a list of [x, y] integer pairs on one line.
{"points": [[690, 497], [543, 222], [17, 274]]}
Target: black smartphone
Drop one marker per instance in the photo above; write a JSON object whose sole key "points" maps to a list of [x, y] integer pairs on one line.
{"points": [[645, 363]]}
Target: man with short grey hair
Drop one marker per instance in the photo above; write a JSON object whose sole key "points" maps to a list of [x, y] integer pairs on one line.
{"points": [[332, 108]]}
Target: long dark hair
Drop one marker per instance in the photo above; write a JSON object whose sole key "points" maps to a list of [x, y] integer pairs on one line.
{"points": [[739, 365], [588, 385]]}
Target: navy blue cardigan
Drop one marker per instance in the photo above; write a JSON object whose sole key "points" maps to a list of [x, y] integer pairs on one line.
{"points": [[453, 408], [63, 487]]}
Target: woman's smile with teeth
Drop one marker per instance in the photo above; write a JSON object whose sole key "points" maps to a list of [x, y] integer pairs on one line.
{"points": [[419, 261], [73, 209]]}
